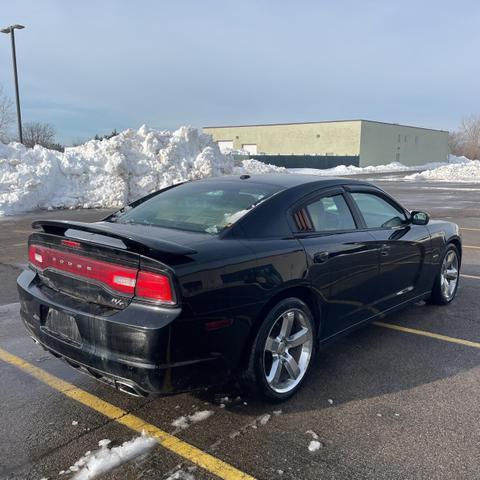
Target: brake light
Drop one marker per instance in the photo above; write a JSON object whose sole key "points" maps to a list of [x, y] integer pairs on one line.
{"points": [[145, 285], [154, 286], [71, 243]]}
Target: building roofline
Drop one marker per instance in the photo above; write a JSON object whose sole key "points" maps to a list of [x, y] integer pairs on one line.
{"points": [[324, 121]]}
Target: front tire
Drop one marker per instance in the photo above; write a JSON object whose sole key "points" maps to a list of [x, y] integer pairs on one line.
{"points": [[446, 281], [282, 351]]}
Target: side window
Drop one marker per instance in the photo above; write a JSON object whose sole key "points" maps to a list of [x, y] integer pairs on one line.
{"points": [[377, 212], [331, 213]]}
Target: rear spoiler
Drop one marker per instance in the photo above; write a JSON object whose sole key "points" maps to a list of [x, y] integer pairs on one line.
{"points": [[131, 240]]}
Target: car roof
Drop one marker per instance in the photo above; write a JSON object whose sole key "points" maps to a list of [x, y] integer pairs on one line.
{"points": [[288, 180]]}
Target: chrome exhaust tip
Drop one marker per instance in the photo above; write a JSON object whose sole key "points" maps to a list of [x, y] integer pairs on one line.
{"points": [[128, 389]]}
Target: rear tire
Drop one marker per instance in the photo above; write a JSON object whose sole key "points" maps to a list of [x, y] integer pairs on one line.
{"points": [[282, 351], [446, 281]]}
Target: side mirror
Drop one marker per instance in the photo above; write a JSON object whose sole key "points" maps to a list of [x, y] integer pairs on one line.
{"points": [[419, 218]]}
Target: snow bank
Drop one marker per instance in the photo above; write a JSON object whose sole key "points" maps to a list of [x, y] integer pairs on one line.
{"points": [[343, 170], [94, 464], [466, 171], [110, 173]]}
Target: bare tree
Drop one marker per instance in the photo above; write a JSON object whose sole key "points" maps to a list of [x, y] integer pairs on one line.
{"points": [[6, 116], [470, 130], [455, 144], [36, 133], [466, 140]]}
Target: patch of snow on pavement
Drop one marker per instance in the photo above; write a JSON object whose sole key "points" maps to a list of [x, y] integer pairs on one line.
{"points": [[263, 419], [181, 422], [105, 459], [200, 416], [186, 420], [180, 475], [314, 446]]}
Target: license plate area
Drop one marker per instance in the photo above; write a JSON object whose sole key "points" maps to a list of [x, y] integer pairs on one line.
{"points": [[61, 325]]}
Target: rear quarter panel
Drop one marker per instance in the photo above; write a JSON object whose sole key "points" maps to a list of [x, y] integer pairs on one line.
{"points": [[232, 281]]}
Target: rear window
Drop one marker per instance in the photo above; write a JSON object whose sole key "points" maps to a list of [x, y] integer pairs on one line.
{"points": [[199, 206]]}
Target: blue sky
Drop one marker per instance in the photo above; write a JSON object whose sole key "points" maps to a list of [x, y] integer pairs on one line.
{"points": [[88, 67]]}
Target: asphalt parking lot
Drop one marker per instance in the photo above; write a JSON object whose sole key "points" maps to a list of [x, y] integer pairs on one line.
{"points": [[386, 402]]}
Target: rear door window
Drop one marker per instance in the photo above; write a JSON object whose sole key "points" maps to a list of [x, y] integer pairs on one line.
{"points": [[330, 213]]}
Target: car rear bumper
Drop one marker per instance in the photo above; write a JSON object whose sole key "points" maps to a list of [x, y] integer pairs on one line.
{"points": [[132, 349]]}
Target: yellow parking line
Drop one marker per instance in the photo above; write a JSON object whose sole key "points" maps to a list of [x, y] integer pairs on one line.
{"points": [[471, 246], [172, 443], [423, 333], [476, 277], [470, 229]]}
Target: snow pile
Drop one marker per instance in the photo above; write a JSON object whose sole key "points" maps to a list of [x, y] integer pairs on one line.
{"points": [[110, 173], [255, 167], [94, 464], [460, 171]]}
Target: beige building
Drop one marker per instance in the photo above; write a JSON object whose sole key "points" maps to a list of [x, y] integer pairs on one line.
{"points": [[364, 142]]}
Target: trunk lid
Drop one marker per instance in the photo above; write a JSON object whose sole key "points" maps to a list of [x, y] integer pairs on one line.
{"points": [[99, 263]]}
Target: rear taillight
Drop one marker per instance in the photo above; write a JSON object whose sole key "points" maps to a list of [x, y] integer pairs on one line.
{"points": [[154, 286], [149, 286]]}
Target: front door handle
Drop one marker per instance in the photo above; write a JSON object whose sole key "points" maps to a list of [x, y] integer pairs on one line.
{"points": [[385, 250], [320, 257]]}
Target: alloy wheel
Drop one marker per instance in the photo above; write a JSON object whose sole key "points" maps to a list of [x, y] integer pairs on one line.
{"points": [[288, 350], [449, 275]]}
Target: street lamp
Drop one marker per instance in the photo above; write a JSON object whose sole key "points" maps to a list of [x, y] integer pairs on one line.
{"points": [[11, 30]]}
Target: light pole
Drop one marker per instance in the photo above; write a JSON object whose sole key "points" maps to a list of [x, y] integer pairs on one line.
{"points": [[11, 31]]}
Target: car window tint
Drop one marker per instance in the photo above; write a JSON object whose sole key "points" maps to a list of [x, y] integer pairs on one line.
{"points": [[199, 206], [377, 212], [331, 213]]}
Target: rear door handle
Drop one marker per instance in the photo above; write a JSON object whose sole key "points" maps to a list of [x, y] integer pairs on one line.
{"points": [[320, 257], [385, 250]]}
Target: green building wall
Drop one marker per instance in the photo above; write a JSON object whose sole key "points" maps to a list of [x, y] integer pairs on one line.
{"points": [[383, 143], [376, 143], [322, 138]]}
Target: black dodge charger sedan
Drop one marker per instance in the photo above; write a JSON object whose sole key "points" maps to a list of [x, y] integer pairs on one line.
{"points": [[237, 277]]}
